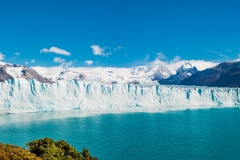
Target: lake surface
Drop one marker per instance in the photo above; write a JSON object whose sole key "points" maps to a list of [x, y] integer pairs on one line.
{"points": [[189, 134]]}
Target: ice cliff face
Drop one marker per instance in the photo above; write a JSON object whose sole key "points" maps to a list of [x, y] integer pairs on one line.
{"points": [[21, 95]]}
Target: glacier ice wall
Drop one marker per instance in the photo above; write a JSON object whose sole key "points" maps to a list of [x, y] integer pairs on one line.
{"points": [[20, 95]]}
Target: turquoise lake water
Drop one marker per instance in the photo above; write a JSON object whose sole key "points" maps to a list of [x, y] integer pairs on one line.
{"points": [[190, 134]]}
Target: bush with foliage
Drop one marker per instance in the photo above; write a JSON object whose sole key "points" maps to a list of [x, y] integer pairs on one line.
{"points": [[10, 152], [44, 149]]}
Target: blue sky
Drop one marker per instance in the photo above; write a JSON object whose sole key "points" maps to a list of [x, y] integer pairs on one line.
{"points": [[119, 33]]}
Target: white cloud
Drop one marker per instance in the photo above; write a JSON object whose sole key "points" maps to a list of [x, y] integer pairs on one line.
{"points": [[176, 63], [146, 58], [63, 62], [2, 56], [33, 61], [26, 62], [16, 55], [56, 51], [160, 56], [117, 48], [48, 72], [68, 64], [222, 56], [89, 62], [237, 59], [97, 50], [175, 59], [58, 60], [213, 51]]}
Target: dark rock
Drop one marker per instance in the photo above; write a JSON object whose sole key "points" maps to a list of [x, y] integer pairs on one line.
{"points": [[134, 82], [29, 73], [222, 75], [4, 76]]}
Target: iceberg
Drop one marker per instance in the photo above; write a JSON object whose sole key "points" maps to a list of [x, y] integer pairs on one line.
{"points": [[19, 95]]}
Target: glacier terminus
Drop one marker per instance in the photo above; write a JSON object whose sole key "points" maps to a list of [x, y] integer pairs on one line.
{"points": [[19, 95]]}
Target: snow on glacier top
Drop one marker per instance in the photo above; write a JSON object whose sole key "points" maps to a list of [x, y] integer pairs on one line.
{"points": [[142, 74], [15, 72], [123, 75]]}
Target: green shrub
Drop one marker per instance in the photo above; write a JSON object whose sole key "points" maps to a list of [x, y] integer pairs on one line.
{"points": [[10, 152], [43, 149]]}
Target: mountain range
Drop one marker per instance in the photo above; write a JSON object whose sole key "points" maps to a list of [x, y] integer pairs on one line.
{"points": [[226, 74], [185, 71]]}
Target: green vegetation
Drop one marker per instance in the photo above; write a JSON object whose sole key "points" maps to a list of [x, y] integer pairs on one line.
{"points": [[10, 152], [43, 149]]}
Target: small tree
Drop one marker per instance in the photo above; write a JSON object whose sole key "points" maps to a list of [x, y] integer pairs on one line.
{"points": [[48, 149], [8, 151], [45, 148]]}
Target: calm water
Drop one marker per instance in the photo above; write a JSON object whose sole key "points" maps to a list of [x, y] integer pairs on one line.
{"points": [[190, 134]]}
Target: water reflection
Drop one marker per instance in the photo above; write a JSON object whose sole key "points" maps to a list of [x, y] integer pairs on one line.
{"points": [[40, 116]]}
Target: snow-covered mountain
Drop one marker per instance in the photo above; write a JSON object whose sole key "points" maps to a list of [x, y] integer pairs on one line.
{"points": [[136, 75], [162, 73], [10, 71], [67, 75], [141, 70], [165, 76], [183, 72]]}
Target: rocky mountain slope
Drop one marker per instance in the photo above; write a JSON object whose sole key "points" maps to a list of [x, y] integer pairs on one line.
{"points": [[3, 74], [10, 71], [226, 74], [185, 71]]}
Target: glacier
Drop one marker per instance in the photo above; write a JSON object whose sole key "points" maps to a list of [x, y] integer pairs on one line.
{"points": [[19, 95]]}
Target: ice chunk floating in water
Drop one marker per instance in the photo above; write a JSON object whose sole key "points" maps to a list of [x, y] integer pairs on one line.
{"points": [[19, 95]]}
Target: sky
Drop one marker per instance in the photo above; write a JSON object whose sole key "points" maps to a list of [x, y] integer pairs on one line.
{"points": [[119, 33]]}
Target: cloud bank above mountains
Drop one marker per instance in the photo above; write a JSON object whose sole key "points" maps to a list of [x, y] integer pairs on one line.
{"points": [[174, 65], [2, 56], [176, 62], [145, 71]]}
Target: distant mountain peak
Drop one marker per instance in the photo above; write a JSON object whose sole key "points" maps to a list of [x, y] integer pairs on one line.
{"points": [[185, 71], [162, 73], [139, 70], [187, 65], [187, 68], [70, 75]]}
